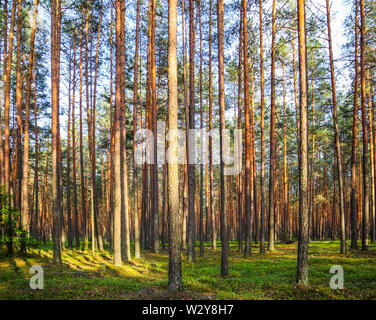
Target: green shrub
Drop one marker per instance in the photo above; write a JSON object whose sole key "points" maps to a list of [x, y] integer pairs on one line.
{"points": [[13, 235]]}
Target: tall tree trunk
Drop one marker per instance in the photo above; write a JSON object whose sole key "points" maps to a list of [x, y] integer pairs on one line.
{"points": [[69, 211], [93, 160], [201, 149], [125, 223], [239, 177], [262, 174], [6, 80], [354, 200], [285, 178], [82, 170], [273, 144], [165, 192], [75, 200], [253, 160], [341, 192], [154, 106], [222, 120], [174, 219], [186, 113], [25, 166], [372, 103], [312, 174], [112, 138], [190, 145], [302, 263], [135, 169], [5, 77], [372, 163], [119, 87], [248, 186], [90, 131], [55, 70], [18, 159], [36, 230], [211, 174]]}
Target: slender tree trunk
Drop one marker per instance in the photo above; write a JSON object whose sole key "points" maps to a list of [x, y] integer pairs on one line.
{"points": [[36, 230], [337, 138], [154, 167], [165, 195], [262, 174], [372, 163], [93, 152], [125, 223], [248, 186], [201, 149], [295, 91], [74, 182], [312, 173], [69, 211], [112, 138], [18, 159], [174, 219], [55, 70], [221, 87], [190, 145], [82, 171], [273, 144], [239, 177], [186, 109], [119, 82], [354, 200], [211, 174], [25, 166], [285, 178], [253, 160], [5, 79], [302, 263], [135, 170], [90, 132], [372, 102]]}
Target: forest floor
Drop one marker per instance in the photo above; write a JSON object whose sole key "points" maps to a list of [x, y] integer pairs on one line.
{"points": [[271, 276]]}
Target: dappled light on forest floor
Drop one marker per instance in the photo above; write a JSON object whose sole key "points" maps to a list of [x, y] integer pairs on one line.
{"points": [[271, 276]]}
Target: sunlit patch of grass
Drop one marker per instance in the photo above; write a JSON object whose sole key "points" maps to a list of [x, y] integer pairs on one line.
{"points": [[84, 275]]}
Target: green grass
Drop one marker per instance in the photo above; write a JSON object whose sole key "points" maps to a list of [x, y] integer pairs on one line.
{"points": [[268, 276]]}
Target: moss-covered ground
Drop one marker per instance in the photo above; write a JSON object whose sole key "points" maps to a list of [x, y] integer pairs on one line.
{"points": [[270, 276]]}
